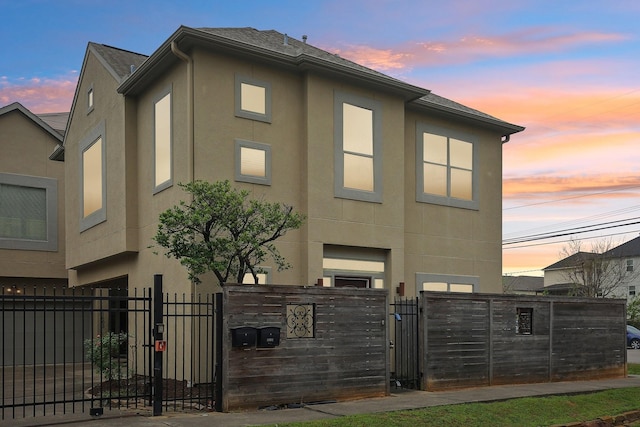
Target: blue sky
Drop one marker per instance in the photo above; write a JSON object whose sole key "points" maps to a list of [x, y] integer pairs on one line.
{"points": [[566, 70]]}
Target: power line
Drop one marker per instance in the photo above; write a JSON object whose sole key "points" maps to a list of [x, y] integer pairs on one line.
{"points": [[568, 231], [571, 198], [568, 240]]}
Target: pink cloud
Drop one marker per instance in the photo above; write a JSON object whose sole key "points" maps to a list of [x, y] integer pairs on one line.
{"points": [[40, 95], [468, 48], [603, 186]]}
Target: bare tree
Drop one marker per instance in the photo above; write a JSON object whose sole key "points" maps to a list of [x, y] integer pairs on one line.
{"points": [[598, 273]]}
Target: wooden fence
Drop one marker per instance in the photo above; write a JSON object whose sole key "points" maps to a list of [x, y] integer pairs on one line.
{"points": [[481, 339], [292, 345]]}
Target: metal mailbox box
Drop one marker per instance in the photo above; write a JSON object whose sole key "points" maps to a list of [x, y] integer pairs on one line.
{"points": [[243, 336], [268, 336]]}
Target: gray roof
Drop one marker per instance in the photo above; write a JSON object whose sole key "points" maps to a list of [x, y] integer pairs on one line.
{"points": [[286, 45], [57, 121], [627, 249], [275, 47], [523, 283], [571, 261], [119, 60]]}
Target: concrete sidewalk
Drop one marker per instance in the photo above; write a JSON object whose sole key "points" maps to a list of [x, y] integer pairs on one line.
{"points": [[398, 400]]}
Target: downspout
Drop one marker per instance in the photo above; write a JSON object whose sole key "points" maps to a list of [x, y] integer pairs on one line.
{"points": [[506, 138], [190, 123]]}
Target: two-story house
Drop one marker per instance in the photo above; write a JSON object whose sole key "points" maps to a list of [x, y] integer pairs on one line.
{"points": [[615, 271], [399, 185]]}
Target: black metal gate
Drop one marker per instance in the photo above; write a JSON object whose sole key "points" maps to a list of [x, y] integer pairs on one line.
{"points": [[60, 353], [405, 343]]}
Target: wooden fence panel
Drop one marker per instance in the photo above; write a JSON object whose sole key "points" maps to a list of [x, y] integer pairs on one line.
{"points": [[486, 339], [346, 356]]}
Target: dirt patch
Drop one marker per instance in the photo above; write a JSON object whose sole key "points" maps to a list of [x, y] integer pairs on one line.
{"points": [[138, 389]]}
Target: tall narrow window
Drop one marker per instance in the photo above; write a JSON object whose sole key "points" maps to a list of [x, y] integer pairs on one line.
{"points": [[253, 99], [90, 100], [445, 168], [93, 178], [162, 143], [358, 148]]}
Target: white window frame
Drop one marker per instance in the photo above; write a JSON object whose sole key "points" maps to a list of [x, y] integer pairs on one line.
{"points": [[50, 185], [99, 132], [423, 197], [247, 114], [340, 191], [449, 279], [263, 180], [159, 186]]}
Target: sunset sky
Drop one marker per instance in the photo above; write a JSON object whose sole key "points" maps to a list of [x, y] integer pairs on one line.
{"points": [[569, 71]]}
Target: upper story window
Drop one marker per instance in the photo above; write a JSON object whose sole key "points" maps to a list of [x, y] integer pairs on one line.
{"points": [[358, 148], [253, 99], [93, 178], [629, 265], [253, 162], [162, 143], [446, 167], [28, 213], [90, 100]]}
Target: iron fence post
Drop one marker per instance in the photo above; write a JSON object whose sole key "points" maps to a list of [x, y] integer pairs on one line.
{"points": [[157, 336]]}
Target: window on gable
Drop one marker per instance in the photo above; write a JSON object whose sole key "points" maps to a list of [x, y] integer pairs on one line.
{"points": [[253, 99], [90, 100], [162, 143], [253, 162], [93, 178], [445, 168], [358, 158], [28, 213]]}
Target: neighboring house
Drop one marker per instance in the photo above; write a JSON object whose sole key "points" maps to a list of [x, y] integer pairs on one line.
{"points": [[624, 259], [398, 185], [522, 285], [32, 226]]}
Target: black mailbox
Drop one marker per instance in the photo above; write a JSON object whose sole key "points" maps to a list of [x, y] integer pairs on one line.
{"points": [[243, 336], [269, 336]]}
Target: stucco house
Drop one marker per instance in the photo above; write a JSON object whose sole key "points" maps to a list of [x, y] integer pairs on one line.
{"points": [[398, 184], [32, 245], [32, 226]]}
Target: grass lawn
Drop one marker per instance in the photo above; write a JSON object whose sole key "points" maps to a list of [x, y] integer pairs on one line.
{"points": [[530, 411]]}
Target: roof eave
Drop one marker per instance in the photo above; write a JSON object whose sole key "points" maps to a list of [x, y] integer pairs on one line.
{"points": [[505, 127], [16, 106], [187, 37]]}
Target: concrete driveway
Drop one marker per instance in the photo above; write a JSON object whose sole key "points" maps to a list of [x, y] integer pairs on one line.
{"points": [[633, 356]]}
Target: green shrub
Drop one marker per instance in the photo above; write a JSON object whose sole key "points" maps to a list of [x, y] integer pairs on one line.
{"points": [[103, 351]]}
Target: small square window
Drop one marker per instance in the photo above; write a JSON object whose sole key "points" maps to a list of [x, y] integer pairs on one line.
{"points": [[253, 162], [253, 99], [524, 321], [300, 320]]}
